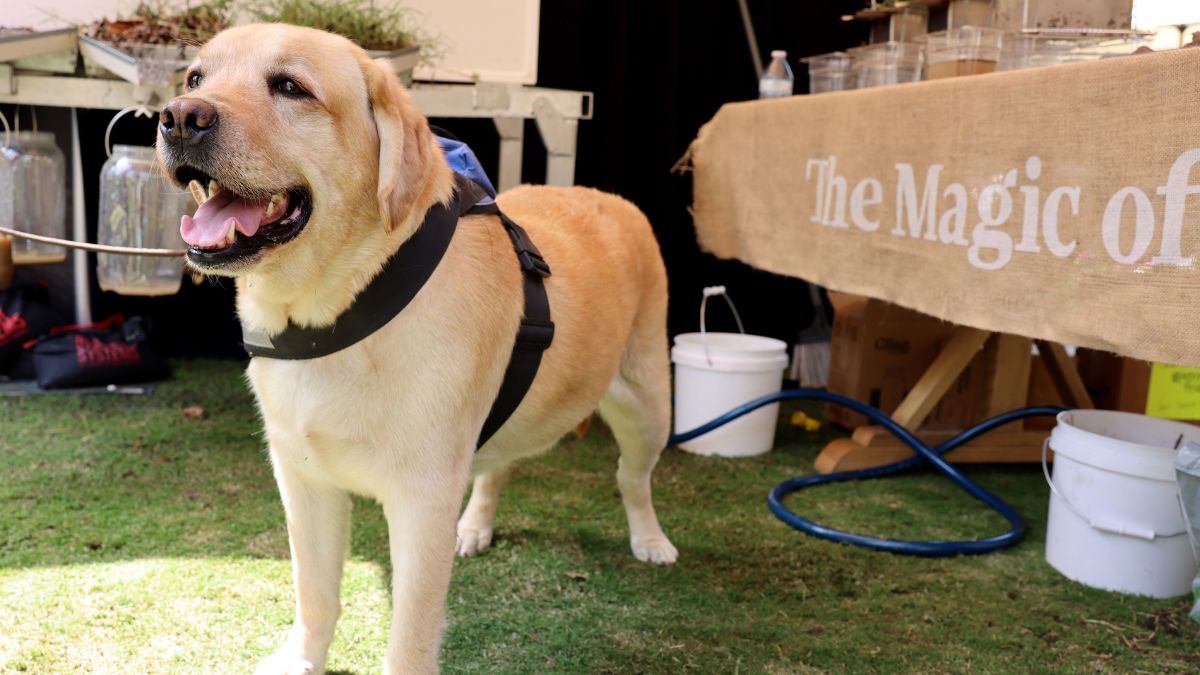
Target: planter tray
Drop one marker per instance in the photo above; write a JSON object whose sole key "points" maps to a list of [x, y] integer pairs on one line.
{"points": [[163, 65], [55, 51], [153, 65], [402, 61]]}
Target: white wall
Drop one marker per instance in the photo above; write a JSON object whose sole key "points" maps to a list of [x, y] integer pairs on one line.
{"points": [[491, 40]]}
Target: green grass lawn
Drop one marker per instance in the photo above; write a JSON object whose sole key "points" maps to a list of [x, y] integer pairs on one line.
{"points": [[135, 540]]}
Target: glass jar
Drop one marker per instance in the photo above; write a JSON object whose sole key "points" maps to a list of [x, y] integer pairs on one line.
{"points": [[33, 194], [139, 208]]}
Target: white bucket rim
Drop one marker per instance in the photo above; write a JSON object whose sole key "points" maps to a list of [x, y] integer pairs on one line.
{"points": [[1074, 437], [730, 352], [750, 344]]}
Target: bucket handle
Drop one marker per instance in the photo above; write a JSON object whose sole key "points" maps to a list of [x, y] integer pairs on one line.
{"points": [[708, 293], [140, 110], [1103, 525]]}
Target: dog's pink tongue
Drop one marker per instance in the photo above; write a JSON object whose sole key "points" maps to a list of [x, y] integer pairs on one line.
{"points": [[209, 227]]}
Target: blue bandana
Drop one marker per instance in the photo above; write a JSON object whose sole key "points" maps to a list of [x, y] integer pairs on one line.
{"points": [[463, 161]]}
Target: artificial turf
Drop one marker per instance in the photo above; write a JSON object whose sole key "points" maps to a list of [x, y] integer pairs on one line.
{"points": [[135, 539]]}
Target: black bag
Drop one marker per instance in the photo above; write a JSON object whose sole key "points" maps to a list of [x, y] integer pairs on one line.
{"points": [[25, 314], [113, 351]]}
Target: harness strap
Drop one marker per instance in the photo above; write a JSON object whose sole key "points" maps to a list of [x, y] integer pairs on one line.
{"points": [[535, 333], [405, 274]]}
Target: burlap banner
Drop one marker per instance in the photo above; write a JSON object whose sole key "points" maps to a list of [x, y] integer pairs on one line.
{"points": [[1059, 203]]}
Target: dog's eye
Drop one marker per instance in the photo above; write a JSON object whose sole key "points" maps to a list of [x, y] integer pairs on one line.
{"points": [[193, 80], [288, 87]]}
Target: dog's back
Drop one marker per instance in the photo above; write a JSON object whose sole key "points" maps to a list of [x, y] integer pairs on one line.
{"points": [[608, 299]]}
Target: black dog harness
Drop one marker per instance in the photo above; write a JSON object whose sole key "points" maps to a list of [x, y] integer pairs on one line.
{"points": [[402, 277]]}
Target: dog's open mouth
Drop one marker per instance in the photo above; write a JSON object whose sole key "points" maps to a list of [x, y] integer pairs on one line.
{"points": [[229, 227]]}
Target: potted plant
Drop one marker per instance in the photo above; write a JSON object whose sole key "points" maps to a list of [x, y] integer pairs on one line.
{"points": [[386, 32], [155, 42]]}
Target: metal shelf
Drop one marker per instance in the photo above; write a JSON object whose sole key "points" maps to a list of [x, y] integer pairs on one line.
{"points": [[557, 112]]}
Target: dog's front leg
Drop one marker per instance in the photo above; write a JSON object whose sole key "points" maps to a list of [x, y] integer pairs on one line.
{"points": [[318, 521], [422, 509]]}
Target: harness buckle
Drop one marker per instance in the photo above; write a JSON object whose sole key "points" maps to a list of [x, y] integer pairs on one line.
{"points": [[530, 258], [533, 263]]}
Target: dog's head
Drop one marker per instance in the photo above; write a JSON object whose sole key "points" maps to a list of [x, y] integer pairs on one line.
{"points": [[293, 140]]}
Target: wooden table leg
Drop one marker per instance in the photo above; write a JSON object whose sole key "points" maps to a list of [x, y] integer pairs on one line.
{"points": [[954, 358], [1009, 366], [1009, 363], [1065, 375]]}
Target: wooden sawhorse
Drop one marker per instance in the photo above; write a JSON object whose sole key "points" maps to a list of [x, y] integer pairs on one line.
{"points": [[1008, 371]]}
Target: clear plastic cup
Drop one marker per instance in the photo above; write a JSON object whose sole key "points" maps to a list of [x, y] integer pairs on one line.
{"points": [[908, 24], [977, 13], [962, 51], [829, 72], [886, 63], [1051, 47]]}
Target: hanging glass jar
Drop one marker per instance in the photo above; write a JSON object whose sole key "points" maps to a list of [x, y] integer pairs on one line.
{"points": [[139, 208], [33, 194]]}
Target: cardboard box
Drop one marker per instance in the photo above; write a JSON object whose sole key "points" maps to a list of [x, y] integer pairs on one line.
{"points": [[1121, 383], [880, 350]]}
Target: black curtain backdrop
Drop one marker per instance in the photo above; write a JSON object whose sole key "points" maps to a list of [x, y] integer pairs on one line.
{"points": [[659, 70]]}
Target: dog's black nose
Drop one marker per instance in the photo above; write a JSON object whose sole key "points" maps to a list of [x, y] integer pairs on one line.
{"points": [[186, 120]]}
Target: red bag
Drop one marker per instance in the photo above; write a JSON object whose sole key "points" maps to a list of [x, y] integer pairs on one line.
{"points": [[113, 351], [25, 314]]}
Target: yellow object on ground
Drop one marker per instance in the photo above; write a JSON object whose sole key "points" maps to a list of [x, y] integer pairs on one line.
{"points": [[799, 419]]}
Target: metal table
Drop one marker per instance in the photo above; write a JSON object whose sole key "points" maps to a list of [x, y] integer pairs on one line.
{"points": [[557, 112]]}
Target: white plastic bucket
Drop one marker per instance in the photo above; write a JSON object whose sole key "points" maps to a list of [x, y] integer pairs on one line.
{"points": [[1115, 522], [717, 372]]}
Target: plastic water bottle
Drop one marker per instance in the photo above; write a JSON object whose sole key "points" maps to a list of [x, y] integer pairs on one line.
{"points": [[777, 80]]}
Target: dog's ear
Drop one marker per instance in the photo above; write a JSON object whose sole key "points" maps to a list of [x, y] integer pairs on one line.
{"points": [[406, 145]]}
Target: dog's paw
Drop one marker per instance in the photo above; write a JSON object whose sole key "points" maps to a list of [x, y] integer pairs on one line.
{"points": [[472, 541], [283, 662], [657, 550]]}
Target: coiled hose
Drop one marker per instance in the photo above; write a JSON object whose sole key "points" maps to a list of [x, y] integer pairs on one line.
{"points": [[924, 454]]}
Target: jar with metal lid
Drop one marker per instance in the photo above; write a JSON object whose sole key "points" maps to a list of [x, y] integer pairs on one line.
{"points": [[141, 209], [33, 194]]}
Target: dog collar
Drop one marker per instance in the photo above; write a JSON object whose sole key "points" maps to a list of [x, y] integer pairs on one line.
{"points": [[387, 295]]}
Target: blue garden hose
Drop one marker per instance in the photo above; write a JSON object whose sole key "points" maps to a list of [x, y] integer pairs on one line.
{"points": [[924, 454]]}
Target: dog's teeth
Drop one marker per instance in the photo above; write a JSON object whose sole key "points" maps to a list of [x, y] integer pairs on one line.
{"points": [[273, 206], [213, 188], [197, 191], [229, 238]]}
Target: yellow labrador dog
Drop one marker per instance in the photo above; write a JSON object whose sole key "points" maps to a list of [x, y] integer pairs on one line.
{"points": [[314, 168]]}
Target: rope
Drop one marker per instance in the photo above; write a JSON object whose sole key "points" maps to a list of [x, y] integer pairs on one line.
{"points": [[139, 111], [97, 248]]}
